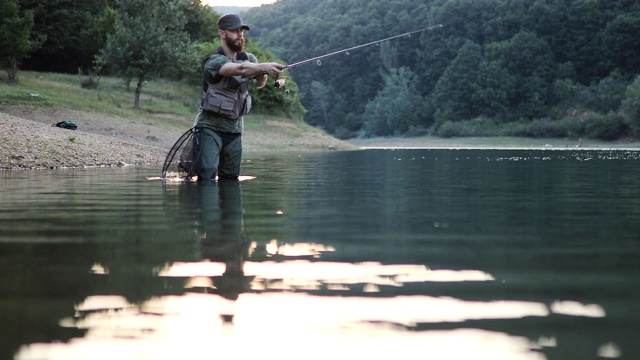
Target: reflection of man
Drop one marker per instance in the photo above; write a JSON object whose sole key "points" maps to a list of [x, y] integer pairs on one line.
{"points": [[219, 224]]}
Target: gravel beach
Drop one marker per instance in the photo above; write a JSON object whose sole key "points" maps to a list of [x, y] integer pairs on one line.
{"points": [[27, 144], [28, 140]]}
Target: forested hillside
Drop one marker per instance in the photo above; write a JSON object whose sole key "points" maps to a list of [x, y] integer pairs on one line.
{"points": [[559, 68], [496, 67]]}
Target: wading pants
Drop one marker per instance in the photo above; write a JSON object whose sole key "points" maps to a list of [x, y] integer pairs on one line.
{"points": [[216, 154]]}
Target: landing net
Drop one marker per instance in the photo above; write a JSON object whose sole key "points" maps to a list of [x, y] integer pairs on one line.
{"points": [[178, 165]]}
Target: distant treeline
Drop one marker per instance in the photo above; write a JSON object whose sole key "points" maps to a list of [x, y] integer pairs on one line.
{"points": [[497, 67]]}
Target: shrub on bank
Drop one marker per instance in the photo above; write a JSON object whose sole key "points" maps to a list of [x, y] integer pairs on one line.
{"points": [[481, 126], [631, 106], [604, 127], [592, 125]]}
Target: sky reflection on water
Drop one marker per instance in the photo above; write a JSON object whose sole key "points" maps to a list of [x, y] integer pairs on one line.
{"points": [[291, 322], [288, 322]]}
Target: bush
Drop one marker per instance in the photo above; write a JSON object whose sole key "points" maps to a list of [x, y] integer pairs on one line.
{"points": [[605, 96], [450, 129], [89, 81], [544, 127], [631, 106], [610, 126], [480, 126], [605, 127]]}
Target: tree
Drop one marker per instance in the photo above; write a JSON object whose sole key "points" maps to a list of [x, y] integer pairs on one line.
{"points": [[455, 88], [623, 42], [16, 41], [64, 24], [149, 38], [631, 106], [202, 21], [95, 37], [397, 108], [491, 90], [531, 68], [320, 105]]}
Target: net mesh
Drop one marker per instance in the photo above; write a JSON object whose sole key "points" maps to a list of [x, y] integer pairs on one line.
{"points": [[179, 163]]}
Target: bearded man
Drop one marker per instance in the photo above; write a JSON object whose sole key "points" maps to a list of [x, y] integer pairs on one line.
{"points": [[220, 124]]}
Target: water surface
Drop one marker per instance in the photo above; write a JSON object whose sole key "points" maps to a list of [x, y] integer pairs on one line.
{"points": [[458, 254]]}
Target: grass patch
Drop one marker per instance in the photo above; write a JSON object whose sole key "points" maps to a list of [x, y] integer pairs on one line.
{"points": [[166, 107], [111, 97]]}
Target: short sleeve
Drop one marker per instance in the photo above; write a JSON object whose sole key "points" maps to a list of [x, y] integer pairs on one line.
{"points": [[252, 58], [213, 65]]}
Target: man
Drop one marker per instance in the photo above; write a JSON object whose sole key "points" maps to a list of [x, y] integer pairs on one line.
{"points": [[226, 98]]}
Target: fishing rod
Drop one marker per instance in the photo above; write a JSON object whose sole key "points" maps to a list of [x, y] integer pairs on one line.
{"points": [[281, 82]]}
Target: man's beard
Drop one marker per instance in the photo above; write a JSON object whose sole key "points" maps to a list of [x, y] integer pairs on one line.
{"points": [[234, 46]]}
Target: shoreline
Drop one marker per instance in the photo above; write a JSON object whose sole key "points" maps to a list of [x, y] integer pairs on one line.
{"points": [[492, 143], [30, 144], [29, 141]]}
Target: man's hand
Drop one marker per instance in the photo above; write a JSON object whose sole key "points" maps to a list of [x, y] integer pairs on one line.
{"points": [[273, 69], [260, 81], [261, 77]]}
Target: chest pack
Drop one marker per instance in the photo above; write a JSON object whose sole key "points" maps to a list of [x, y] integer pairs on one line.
{"points": [[227, 96]]}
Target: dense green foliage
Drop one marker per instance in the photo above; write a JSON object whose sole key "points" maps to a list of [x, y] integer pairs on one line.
{"points": [[497, 67], [149, 37], [16, 40], [563, 68], [71, 32], [137, 40]]}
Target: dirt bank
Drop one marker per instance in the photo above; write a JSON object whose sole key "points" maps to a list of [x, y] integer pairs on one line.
{"points": [[27, 144], [29, 141]]}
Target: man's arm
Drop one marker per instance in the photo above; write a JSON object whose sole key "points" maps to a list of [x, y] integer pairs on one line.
{"points": [[249, 69]]}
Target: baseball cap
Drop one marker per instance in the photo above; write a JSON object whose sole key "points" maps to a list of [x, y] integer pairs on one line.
{"points": [[231, 22]]}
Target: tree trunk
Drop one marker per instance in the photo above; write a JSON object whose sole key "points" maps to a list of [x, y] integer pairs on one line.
{"points": [[12, 71], [136, 102]]}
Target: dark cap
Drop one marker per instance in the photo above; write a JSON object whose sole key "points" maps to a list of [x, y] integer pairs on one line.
{"points": [[231, 22]]}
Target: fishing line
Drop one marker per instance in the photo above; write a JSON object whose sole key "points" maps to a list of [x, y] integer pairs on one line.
{"points": [[280, 82], [317, 58]]}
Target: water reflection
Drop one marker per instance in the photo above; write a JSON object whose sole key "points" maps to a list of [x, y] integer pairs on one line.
{"points": [[431, 261], [221, 236], [286, 304]]}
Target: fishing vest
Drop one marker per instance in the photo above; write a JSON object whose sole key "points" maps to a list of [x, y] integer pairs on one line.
{"points": [[227, 96]]}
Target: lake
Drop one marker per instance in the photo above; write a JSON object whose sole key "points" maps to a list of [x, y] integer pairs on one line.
{"points": [[371, 254]]}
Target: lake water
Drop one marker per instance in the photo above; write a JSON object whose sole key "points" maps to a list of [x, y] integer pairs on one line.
{"points": [[373, 254]]}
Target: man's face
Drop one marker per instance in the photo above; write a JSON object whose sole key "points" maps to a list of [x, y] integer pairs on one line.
{"points": [[233, 38]]}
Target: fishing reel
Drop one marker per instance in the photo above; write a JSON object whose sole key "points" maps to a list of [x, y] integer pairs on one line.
{"points": [[281, 82]]}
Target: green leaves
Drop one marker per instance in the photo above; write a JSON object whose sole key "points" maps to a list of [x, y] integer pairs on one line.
{"points": [[16, 38], [397, 108], [509, 61], [631, 106], [148, 39]]}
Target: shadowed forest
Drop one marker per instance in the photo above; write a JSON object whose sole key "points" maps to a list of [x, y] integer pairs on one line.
{"points": [[541, 68], [497, 67]]}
